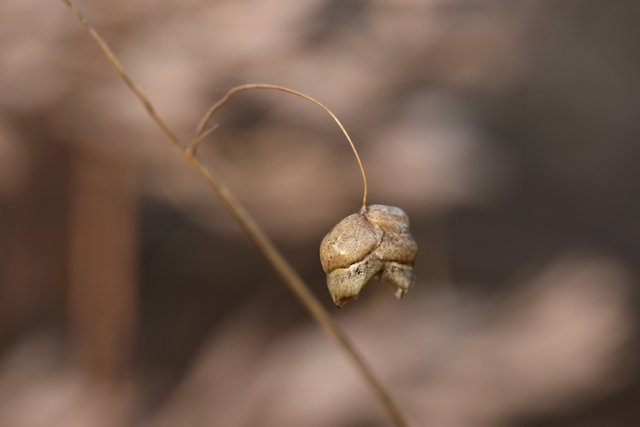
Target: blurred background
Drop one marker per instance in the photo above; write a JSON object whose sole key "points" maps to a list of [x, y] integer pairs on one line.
{"points": [[508, 130]]}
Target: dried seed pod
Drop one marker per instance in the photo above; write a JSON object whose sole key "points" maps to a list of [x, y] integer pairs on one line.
{"points": [[374, 243]]}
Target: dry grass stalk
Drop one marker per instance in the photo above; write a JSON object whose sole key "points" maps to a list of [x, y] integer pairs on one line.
{"points": [[291, 278]]}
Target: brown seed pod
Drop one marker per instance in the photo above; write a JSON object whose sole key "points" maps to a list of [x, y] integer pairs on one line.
{"points": [[374, 243]]}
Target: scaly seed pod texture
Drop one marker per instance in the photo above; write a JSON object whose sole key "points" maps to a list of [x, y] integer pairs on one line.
{"points": [[374, 243]]}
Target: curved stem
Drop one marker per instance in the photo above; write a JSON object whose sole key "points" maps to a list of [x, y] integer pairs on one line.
{"points": [[200, 130], [251, 227]]}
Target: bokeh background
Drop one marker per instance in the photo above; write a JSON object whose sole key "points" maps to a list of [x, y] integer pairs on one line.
{"points": [[508, 130]]}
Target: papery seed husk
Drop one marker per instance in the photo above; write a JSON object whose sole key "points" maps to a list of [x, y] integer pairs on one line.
{"points": [[374, 243]]}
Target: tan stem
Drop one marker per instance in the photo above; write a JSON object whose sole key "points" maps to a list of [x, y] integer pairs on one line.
{"points": [[200, 130], [251, 227]]}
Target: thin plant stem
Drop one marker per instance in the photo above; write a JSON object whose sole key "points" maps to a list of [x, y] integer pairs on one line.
{"points": [[198, 136], [251, 227]]}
